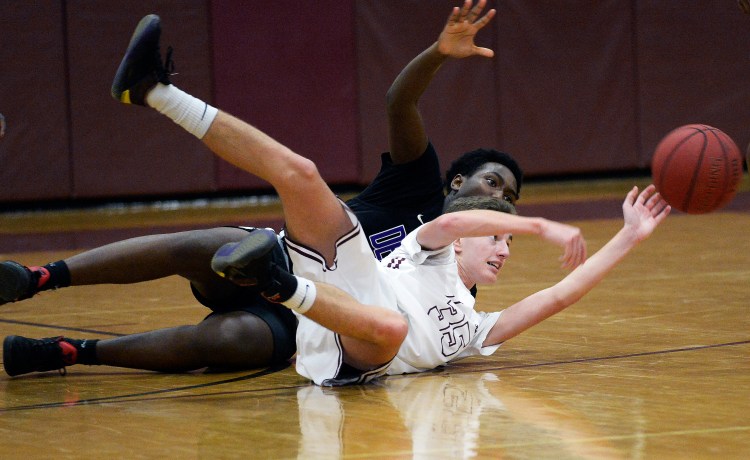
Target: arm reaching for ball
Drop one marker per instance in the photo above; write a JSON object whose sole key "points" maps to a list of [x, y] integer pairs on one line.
{"points": [[642, 213]]}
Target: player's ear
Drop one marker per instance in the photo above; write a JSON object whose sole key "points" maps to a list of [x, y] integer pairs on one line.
{"points": [[457, 182], [457, 246]]}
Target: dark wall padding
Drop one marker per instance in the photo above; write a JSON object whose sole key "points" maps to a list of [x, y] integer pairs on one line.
{"points": [[131, 150], [567, 87], [289, 69], [693, 67], [575, 87], [34, 155]]}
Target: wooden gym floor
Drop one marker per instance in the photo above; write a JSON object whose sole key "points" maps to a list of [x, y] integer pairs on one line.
{"points": [[654, 363]]}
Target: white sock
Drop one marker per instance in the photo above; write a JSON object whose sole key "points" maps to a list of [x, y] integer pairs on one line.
{"points": [[187, 111], [303, 298]]}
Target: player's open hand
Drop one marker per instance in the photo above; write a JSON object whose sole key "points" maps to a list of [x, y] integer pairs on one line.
{"points": [[644, 211], [457, 38]]}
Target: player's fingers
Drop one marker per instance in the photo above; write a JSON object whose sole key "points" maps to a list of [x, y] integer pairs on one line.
{"points": [[484, 52], [465, 10], [631, 196], [650, 190], [575, 255], [476, 10], [564, 261], [580, 251], [653, 201], [662, 213], [642, 196], [453, 17], [485, 19], [566, 257], [584, 251]]}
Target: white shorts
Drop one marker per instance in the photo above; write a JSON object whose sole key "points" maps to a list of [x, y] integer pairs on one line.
{"points": [[355, 271]]}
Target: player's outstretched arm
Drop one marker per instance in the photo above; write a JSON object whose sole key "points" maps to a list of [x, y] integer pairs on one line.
{"points": [[407, 135], [451, 226], [642, 213]]}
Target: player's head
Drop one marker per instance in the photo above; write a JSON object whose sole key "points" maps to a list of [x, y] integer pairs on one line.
{"points": [[484, 172], [481, 258]]}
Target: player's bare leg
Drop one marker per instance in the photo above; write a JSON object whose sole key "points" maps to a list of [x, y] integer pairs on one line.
{"points": [[295, 179], [187, 254], [235, 340]]}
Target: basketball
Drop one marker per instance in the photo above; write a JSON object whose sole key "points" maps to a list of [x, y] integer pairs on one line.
{"points": [[697, 168]]}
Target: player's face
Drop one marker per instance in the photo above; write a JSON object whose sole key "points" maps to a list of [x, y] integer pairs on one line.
{"points": [[491, 179], [481, 258]]}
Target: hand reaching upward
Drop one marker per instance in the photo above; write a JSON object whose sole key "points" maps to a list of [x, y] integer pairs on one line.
{"points": [[644, 211], [457, 38]]}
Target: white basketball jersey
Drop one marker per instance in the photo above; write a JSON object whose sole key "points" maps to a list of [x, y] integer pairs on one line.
{"points": [[443, 325]]}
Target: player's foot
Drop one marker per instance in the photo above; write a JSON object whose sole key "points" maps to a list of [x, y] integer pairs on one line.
{"points": [[22, 355], [255, 261], [249, 261], [141, 67], [18, 282]]}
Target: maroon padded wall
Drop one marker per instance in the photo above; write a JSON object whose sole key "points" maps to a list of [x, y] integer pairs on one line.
{"points": [[289, 69], [121, 150], [575, 87], [566, 84], [34, 154], [693, 67], [552, 96]]}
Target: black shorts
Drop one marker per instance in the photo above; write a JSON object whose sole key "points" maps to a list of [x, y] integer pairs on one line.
{"points": [[280, 320]]}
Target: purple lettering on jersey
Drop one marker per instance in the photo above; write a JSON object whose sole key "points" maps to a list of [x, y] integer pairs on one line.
{"points": [[456, 333], [383, 243]]}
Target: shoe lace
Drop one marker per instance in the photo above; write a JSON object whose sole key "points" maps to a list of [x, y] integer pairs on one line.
{"points": [[167, 69], [168, 62], [51, 345]]}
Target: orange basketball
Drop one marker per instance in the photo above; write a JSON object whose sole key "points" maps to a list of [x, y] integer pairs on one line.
{"points": [[697, 168]]}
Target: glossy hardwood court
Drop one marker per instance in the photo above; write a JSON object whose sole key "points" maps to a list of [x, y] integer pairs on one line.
{"points": [[654, 363]]}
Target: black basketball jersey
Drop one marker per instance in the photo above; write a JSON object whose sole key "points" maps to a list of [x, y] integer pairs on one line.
{"points": [[399, 199]]}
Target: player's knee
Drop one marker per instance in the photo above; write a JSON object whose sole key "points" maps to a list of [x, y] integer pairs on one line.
{"points": [[301, 171], [238, 330]]}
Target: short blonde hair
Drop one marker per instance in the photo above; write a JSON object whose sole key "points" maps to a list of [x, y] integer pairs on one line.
{"points": [[481, 202]]}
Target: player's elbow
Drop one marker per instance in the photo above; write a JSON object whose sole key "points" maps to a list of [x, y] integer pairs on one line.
{"points": [[390, 331], [392, 100], [450, 223], [440, 232]]}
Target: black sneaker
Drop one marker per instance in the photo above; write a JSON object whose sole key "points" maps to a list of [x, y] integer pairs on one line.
{"points": [[22, 355], [141, 67], [18, 282], [247, 262]]}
